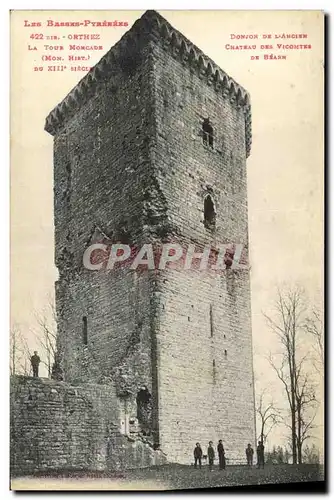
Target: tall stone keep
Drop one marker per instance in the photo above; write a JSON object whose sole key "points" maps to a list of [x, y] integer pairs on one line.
{"points": [[151, 147]]}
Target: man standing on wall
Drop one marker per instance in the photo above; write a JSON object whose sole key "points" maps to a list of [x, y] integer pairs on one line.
{"points": [[35, 361]]}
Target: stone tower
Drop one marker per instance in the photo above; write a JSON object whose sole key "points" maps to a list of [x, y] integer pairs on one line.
{"points": [[149, 147]]}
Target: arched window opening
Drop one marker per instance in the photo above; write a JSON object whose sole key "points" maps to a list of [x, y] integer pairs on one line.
{"points": [[144, 410], [207, 133], [209, 213]]}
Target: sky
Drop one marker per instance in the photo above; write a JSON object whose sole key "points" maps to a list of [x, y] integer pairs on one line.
{"points": [[285, 168]]}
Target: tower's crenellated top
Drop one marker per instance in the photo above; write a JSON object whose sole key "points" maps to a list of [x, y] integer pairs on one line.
{"points": [[153, 24]]}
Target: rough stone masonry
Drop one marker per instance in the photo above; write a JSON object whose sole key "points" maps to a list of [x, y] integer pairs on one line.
{"points": [[151, 147]]}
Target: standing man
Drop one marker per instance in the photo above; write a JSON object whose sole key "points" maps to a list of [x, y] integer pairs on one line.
{"points": [[211, 455], [198, 455], [35, 361], [260, 455], [249, 455], [221, 455]]}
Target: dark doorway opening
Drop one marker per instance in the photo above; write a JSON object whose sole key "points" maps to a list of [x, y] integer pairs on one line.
{"points": [[144, 410]]}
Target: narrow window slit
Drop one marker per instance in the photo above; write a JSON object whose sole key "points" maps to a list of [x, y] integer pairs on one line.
{"points": [[85, 330], [211, 321]]}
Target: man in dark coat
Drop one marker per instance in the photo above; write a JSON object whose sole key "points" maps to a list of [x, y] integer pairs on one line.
{"points": [[260, 455], [35, 361], [198, 455], [249, 455], [211, 455], [221, 455]]}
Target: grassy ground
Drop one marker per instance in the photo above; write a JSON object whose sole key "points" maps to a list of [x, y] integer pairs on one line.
{"points": [[171, 477]]}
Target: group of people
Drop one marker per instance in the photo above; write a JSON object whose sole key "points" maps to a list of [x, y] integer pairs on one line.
{"points": [[198, 455], [259, 454]]}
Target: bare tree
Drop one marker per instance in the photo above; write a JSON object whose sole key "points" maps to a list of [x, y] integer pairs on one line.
{"points": [[46, 335], [20, 353], [14, 340], [291, 365], [311, 455], [306, 411], [268, 416], [25, 364], [306, 406], [314, 326]]}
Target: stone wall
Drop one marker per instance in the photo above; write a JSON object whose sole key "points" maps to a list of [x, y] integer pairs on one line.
{"points": [[58, 427], [206, 389], [205, 371]]}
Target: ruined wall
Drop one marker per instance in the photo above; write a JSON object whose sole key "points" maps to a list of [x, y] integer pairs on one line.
{"points": [[55, 426], [206, 389]]}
